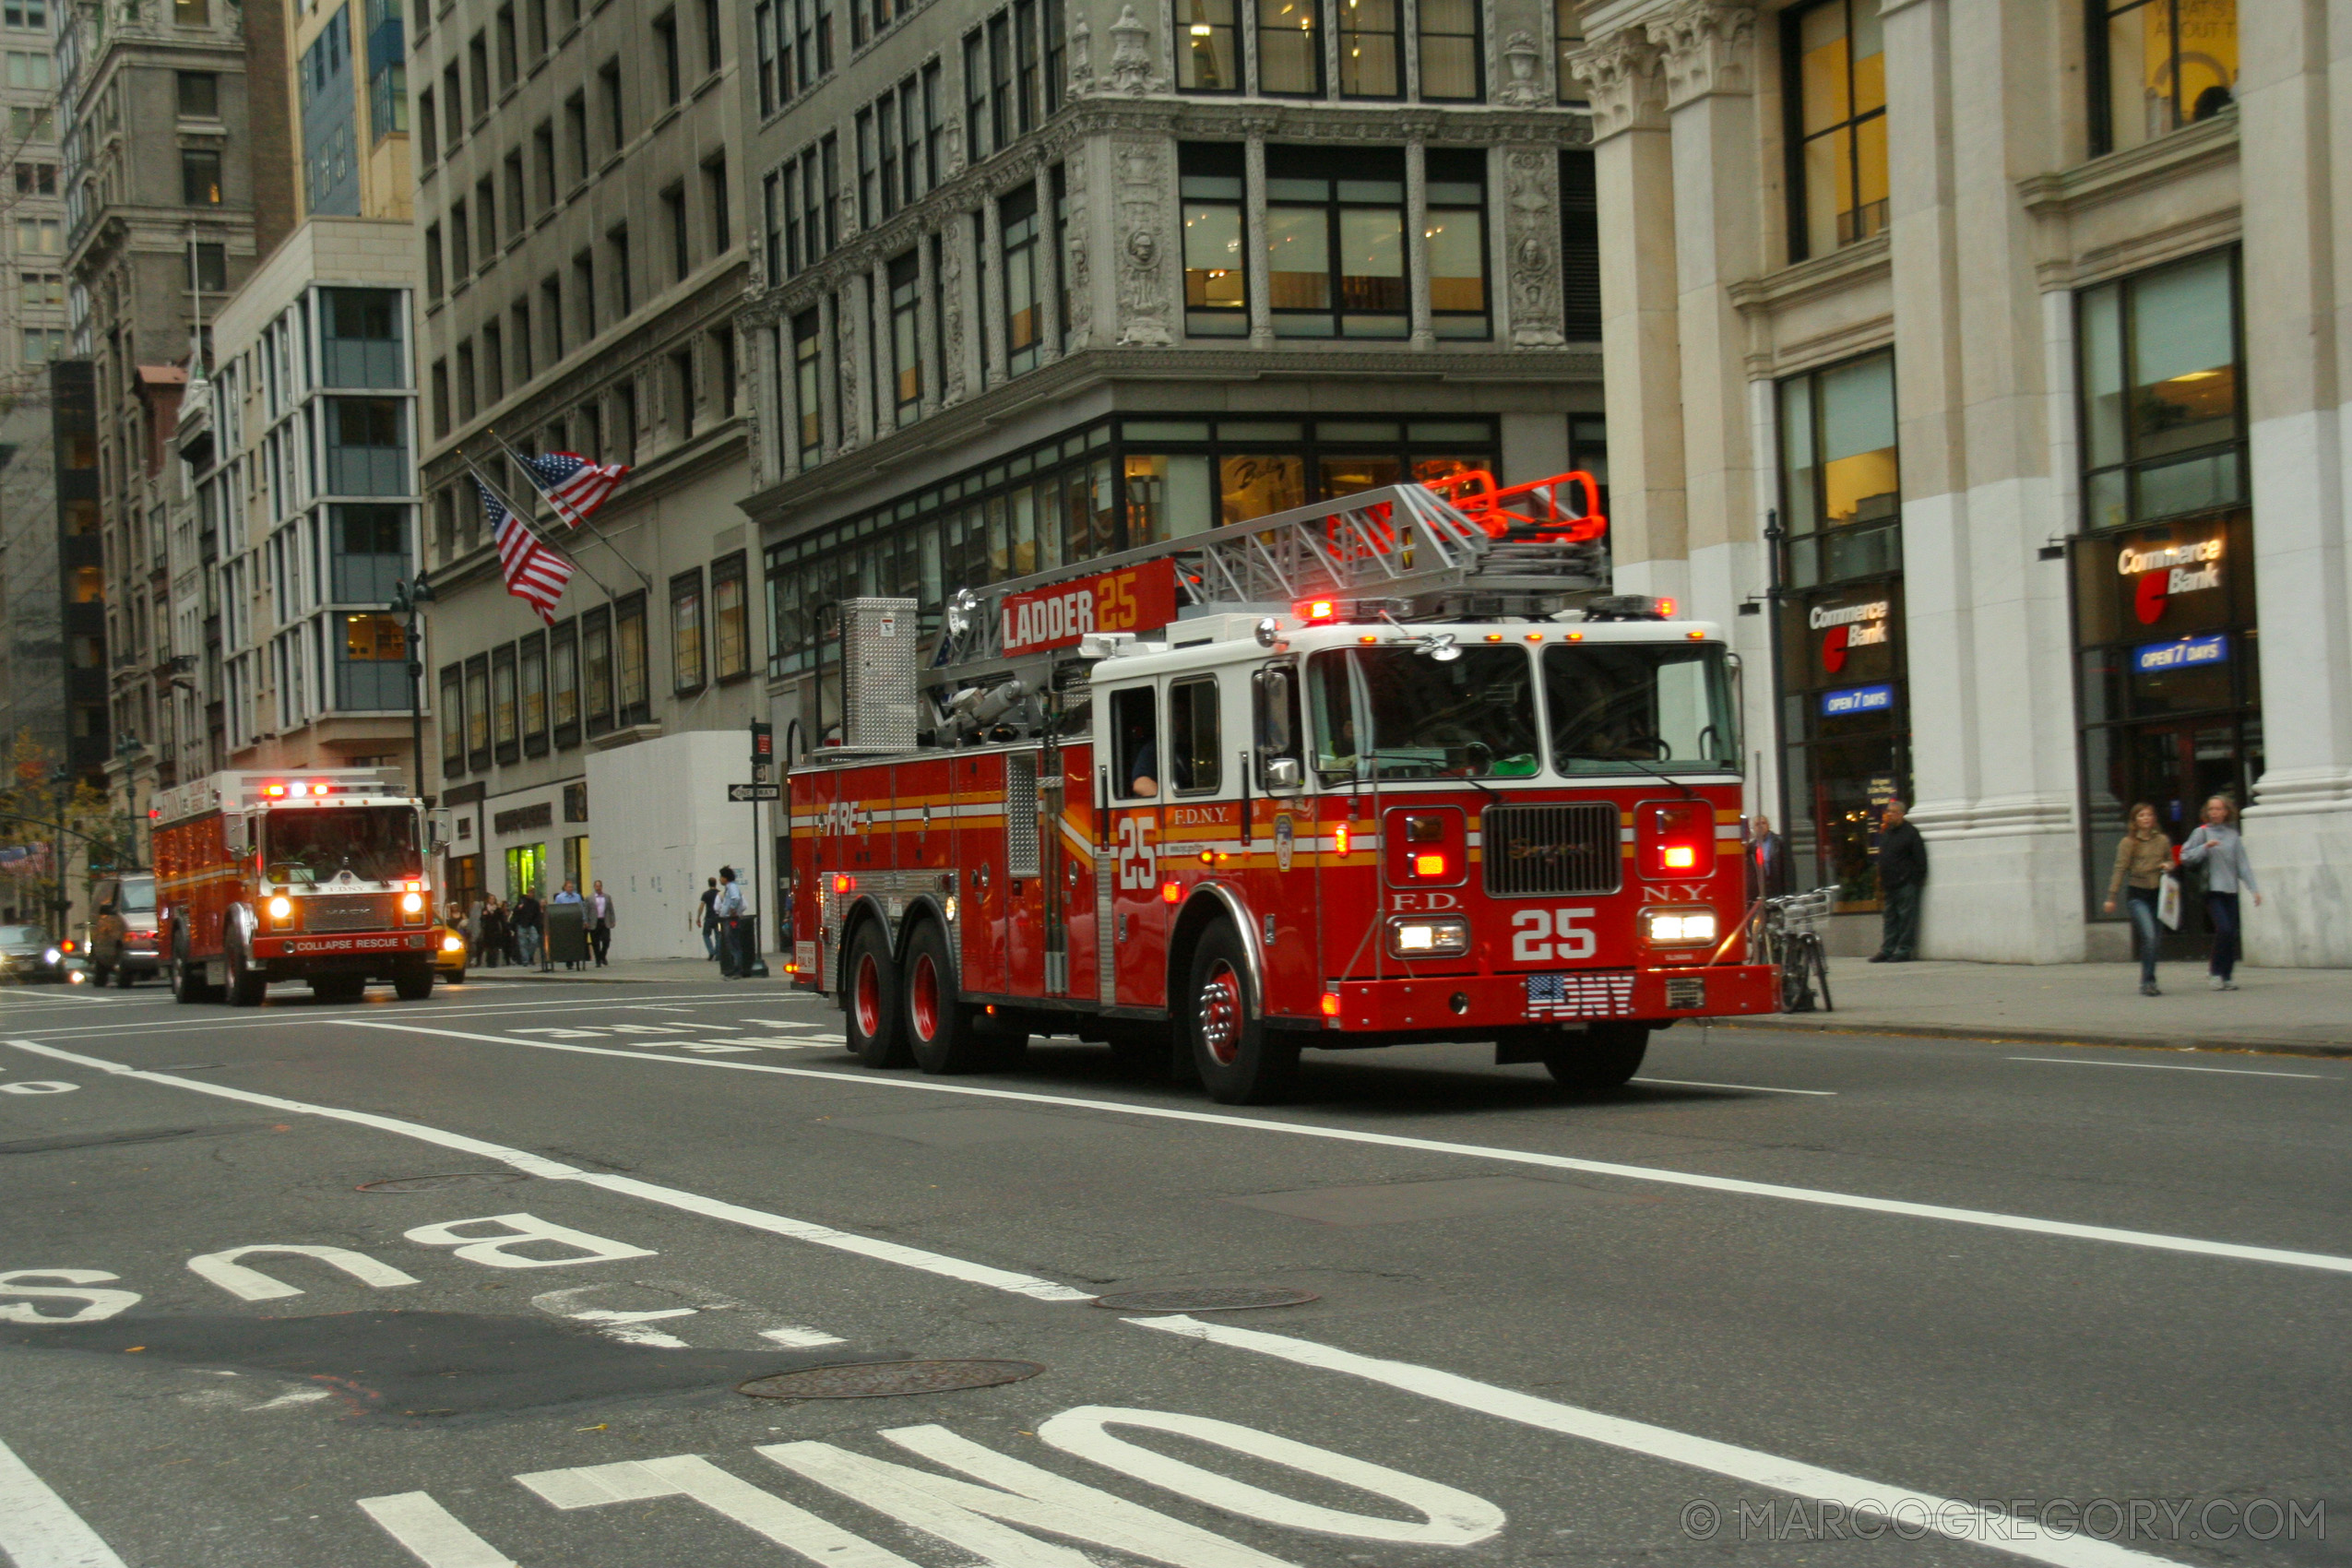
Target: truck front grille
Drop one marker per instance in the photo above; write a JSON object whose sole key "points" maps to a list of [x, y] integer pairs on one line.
{"points": [[1542, 850], [365, 911]]}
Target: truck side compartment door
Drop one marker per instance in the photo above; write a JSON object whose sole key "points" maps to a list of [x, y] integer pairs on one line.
{"points": [[1137, 954], [1281, 879]]}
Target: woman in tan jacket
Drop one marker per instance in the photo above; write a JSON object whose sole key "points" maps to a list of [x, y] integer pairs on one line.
{"points": [[2141, 860]]}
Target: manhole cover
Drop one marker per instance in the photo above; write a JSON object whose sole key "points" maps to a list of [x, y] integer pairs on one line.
{"points": [[1211, 1299], [434, 1183], [877, 1380]]}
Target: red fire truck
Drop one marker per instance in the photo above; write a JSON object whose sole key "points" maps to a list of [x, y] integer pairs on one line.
{"points": [[318, 876], [1397, 767]]}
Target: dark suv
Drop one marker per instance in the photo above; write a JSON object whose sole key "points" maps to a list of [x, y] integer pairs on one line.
{"points": [[122, 945]]}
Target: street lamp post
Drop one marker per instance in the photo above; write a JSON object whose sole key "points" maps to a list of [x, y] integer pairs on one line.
{"points": [[408, 595]]}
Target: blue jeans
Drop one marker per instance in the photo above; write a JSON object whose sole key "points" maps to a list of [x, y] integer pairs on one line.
{"points": [[710, 939], [527, 939], [2140, 904], [2221, 909]]}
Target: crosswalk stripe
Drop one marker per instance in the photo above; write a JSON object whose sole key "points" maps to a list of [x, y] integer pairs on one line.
{"points": [[433, 1535], [38, 1530]]}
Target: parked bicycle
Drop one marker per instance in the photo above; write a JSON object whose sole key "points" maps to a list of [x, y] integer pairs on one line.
{"points": [[1790, 937]]}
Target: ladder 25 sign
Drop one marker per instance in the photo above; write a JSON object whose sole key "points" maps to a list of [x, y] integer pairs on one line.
{"points": [[1135, 599]]}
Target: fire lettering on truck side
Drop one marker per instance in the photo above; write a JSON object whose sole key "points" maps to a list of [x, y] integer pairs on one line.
{"points": [[1134, 599]]}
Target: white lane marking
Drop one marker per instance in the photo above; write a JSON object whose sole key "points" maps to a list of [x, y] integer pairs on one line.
{"points": [[98, 1305], [433, 1535], [251, 1285], [1989, 1218], [799, 1338], [306, 1017], [691, 1476], [498, 1250], [2163, 1067], [39, 1085], [712, 1047], [668, 1197], [38, 1530], [291, 1398], [1449, 1516], [1751, 1088], [1962, 1521]]}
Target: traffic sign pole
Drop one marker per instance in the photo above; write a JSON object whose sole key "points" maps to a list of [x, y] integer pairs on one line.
{"points": [[763, 753]]}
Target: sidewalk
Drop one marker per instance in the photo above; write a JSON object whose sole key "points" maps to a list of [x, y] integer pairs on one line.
{"points": [[2306, 1012], [629, 972]]}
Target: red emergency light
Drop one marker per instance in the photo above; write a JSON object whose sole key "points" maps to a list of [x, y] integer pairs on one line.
{"points": [[1318, 611], [1428, 865], [1677, 839], [1666, 607]]}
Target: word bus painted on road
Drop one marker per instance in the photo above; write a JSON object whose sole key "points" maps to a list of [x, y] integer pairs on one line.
{"points": [[1132, 600]]}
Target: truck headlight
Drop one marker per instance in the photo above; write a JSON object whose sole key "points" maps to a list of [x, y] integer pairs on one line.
{"points": [[1422, 936], [1678, 928], [281, 910], [413, 908]]}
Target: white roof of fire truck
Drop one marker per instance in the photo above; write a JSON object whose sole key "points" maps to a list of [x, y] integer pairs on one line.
{"points": [[309, 786]]}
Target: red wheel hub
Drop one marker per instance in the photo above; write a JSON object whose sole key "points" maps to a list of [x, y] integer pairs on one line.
{"points": [[922, 998], [1221, 1014], [867, 996]]}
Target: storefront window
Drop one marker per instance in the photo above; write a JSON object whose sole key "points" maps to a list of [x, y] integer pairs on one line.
{"points": [[2162, 419], [2159, 64], [1844, 703]]}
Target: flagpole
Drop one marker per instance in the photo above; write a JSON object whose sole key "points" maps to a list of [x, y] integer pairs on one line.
{"points": [[597, 536], [524, 518]]}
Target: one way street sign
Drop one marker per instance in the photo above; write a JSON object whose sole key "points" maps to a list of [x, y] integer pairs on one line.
{"points": [[754, 792]]}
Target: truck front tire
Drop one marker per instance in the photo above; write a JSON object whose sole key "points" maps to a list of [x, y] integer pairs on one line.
{"points": [[872, 1018], [1241, 1061], [1601, 1059], [415, 984], [246, 988]]}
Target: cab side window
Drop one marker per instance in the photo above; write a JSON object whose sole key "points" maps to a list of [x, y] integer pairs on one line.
{"points": [[1193, 743], [1134, 754], [1331, 696], [1277, 701]]}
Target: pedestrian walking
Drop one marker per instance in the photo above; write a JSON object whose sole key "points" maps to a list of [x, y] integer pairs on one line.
{"points": [[728, 907], [707, 919], [493, 934], [1767, 861], [530, 922], [2142, 858], [1902, 878], [2217, 846], [601, 920]]}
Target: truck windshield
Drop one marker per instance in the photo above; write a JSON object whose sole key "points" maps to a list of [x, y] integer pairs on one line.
{"points": [[373, 843], [1397, 713], [1627, 708]]}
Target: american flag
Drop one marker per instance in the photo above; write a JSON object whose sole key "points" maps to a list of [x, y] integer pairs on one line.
{"points": [[535, 574], [573, 485], [1581, 994]]}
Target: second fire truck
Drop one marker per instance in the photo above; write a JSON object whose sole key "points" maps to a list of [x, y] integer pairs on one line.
{"points": [[1394, 768], [316, 876]]}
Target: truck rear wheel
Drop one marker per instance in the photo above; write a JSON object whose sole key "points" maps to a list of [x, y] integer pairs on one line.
{"points": [[870, 1000], [246, 988], [1241, 1061], [940, 1029], [1600, 1060], [187, 982]]}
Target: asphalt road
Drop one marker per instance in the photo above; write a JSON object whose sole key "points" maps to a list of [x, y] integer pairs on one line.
{"points": [[1788, 1298]]}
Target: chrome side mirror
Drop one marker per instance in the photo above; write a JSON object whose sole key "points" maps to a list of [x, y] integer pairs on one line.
{"points": [[1282, 775]]}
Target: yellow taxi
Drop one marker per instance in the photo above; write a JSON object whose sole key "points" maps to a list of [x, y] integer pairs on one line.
{"points": [[450, 957]]}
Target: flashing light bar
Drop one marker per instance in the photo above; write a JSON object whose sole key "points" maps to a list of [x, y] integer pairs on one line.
{"points": [[1318, 611]]}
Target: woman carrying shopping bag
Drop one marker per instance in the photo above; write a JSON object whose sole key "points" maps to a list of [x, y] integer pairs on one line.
{"points": [[2217, 846], [2141, 858]]}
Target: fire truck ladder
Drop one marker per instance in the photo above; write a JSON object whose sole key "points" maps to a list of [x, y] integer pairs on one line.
{"points": [[1401, 546]]}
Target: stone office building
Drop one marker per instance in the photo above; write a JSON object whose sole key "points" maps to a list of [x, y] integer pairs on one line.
{"points": [[2006, 342], [1040, 279]]}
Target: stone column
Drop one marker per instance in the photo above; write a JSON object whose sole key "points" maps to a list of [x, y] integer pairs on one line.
{"points": [[1640, 341], [1253, 258], [1417, 238], [1049, 270], [2294, 115], [1986, 620], [988, 279], [927, 348], [884, 360]]}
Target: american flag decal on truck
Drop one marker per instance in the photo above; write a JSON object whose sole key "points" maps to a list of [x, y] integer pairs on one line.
{"points": [[1581, 994]]}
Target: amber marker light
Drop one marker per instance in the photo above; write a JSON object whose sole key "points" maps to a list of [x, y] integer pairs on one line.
{"points": [[1339, 839], [1330, 1004], [1428, 865], [845, 884], [1170, 892]]}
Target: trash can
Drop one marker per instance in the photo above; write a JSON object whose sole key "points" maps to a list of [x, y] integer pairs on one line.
{"points": [[566, 934]]}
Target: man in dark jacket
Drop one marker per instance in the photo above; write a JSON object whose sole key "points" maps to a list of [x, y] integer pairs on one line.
{"points": [[1901, 877], [1767, 861]]}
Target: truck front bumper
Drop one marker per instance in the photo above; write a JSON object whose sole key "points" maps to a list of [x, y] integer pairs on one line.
{"points": [[1475, 1003], [379, 945]]}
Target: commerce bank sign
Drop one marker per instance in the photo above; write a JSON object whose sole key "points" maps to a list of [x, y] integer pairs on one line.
{"points": [[1848, 626]]}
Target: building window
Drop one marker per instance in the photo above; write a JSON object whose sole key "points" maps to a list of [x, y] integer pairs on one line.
{"points": [[806, 379], [1454, 235], [1567, 39], [686, 632], [616, 127], [31, 14], [1837, 132], [42, 344], [975, 98], [1217, 295], [730, 618], [199, 95], [453, 722], [906, 355], [199, 176], [764, 44], [361, 338], [1372, 46], [665, 43], [1018, 226], [366, 450], [564, 683], [1846, 721], [1290, 48], [999, 82], [1336, 242], [1210, 58], [370, 552], [531, 665], [477, 713], [1025, 62], [1580, 245], [1451, 63], [596, 667], [674, 206], [2163, 420], [2157, 65], [191, 13], [630, 672], [717, 207]]}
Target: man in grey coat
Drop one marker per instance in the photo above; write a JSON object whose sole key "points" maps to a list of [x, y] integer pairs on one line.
{"points": [[603, 917]]}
